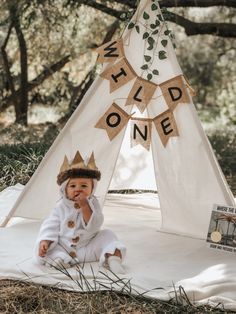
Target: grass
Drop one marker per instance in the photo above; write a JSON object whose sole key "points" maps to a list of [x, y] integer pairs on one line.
{"points": [[18, 297]]}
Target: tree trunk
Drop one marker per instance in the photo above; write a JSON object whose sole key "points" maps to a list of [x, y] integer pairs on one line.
{"points": [[21, 108]]}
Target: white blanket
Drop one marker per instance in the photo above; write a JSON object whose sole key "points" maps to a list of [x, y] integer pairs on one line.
{"points": [[154, 259]]}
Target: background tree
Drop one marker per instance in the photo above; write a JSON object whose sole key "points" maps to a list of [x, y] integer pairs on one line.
{"points": [[50, 59]]}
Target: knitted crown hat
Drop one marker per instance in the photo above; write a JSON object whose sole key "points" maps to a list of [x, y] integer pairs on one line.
{"points": [[78, 169]]}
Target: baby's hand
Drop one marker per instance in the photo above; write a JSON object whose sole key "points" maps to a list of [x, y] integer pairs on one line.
{"points": [[81, 200], [43, 247]]}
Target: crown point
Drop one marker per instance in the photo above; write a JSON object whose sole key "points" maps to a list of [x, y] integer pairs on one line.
{"points": [[78, 161], [65, 165], [91, 162]]}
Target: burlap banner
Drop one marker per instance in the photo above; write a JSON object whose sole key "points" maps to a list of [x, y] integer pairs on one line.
{"points": [[110, 51], [118, 74], [141, 93], [113, 120], [140, 133], [166, 126], [175, 92]]}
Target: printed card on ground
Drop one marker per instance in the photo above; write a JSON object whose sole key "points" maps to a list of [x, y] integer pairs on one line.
{"points": [[222, 229]]}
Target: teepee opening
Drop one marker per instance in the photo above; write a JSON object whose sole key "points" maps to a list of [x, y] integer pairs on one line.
{"points": [[134, 168]]}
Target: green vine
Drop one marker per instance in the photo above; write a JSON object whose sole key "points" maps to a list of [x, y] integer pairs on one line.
{"points": [[151, 36]]}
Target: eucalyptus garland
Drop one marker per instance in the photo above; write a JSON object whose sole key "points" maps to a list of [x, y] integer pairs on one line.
{"points": [[151, 35]]}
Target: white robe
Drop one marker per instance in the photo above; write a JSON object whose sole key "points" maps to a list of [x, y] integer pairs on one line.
{"points": [[72, 239]]}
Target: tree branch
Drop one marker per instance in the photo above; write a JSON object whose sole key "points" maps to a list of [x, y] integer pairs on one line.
{"points": [[48, 72], [8, 101], [105, 9], [197, 3], [193, 28], [185, 3]]}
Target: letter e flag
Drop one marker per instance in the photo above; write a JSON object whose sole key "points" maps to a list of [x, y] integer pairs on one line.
{"points": [[166, 126], [113, 120], [118, 74], [175, 92]]}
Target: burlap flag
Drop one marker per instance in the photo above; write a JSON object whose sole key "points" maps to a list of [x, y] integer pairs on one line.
{"points": [[141, 129], [141, 93], [191, 89], [175, 92], [110, 51], [113, 120], [118, 74], [166, 126]]}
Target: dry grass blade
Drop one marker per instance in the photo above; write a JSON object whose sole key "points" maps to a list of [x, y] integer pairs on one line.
{"points": [[17, 298]]}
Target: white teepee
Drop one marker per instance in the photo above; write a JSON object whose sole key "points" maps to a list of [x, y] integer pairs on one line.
{"points": [[189, 180]]}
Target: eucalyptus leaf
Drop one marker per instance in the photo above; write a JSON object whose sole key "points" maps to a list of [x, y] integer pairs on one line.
{"points": [[157, 23], [137, 28], [150, 47], [146, 16], [144, 67], [153, 26], [131, 25], [145, 35], [154, 7], [150, 40], [155, 32], [147, 58], [162, 55], [149, 76], [160, 18], [164, 42], [167, 32], [155, 72]]}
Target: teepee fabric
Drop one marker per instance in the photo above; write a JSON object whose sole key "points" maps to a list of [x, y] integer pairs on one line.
{"points": [[187, 175]]}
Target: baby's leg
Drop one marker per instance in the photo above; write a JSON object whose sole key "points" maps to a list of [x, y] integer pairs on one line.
{"points": [[102, 247], [54, 257]]}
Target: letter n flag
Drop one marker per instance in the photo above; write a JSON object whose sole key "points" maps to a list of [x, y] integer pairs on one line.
{"points": [[113, 120], [141, 129]]}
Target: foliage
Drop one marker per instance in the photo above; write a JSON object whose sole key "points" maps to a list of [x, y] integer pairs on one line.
{"points": [[52, 31], [156, 36], [55, 29], [20, 159], [209, 64], [223, 142]]}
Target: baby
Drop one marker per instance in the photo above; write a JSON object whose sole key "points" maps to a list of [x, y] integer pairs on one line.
{"points": [[72, 232]]}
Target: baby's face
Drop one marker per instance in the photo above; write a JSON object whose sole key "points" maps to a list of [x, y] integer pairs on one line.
{"points": [[79, 185]]}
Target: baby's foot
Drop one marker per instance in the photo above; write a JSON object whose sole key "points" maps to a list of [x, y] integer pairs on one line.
{"points": [[115, 266]]}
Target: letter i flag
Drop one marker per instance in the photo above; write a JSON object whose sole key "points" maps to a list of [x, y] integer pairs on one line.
{"points": [[175, 92], [113, 120], [118, 74]]}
